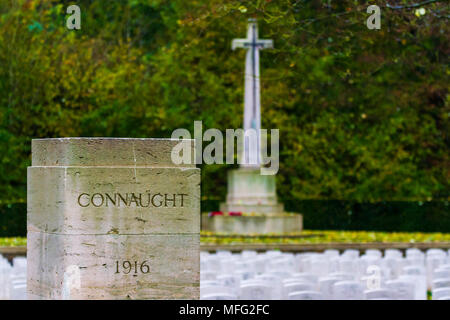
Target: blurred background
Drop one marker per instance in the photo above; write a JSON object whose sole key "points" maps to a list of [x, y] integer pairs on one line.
{"points": [[363, 114]]}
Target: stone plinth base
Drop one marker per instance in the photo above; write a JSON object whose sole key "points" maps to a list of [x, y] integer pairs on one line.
{"points": [[267, 209], [261, 224], [249, 191]]}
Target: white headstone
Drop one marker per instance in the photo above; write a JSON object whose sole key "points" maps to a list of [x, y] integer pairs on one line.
{"points": [[417, 275], [212, 289], [297, 286], [219, 296], [305, 295], [441, 283], [393, 253], [436, 294], [326, 286], [379, 294], [256, 291], [348, 290], [403, 289]]}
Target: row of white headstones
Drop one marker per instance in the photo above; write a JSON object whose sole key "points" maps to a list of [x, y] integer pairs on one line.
{"points": [[329, 275], [275, 275], [13, 278]]}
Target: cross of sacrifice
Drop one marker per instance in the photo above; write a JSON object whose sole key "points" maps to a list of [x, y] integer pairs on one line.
{"points": [[252, 99]]}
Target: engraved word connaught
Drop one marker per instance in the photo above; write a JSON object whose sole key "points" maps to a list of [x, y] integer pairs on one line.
{"points": [[157, 200]]}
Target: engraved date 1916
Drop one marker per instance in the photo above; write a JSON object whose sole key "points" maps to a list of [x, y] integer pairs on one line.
{"points": [[135, 267]]}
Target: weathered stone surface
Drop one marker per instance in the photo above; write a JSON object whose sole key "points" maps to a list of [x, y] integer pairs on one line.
{"points": [[249, 191], [268, 209], [60, 200], [105, 152], [98, 206], [173, 266], [261, 224]]}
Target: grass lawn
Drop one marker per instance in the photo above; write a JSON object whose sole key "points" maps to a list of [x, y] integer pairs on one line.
{"points": [[13, 242], [309, 237], [325, 236]]}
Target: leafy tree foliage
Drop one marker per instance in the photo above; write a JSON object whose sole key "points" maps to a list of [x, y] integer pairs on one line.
{"points": [[363, 114]]}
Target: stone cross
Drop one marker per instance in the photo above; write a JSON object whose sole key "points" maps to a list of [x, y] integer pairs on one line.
{"points": [[252, 100]]}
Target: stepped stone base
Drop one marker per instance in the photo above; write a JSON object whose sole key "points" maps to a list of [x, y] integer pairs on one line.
{"points": [[267, 209], [250, 192], [261, 224]]}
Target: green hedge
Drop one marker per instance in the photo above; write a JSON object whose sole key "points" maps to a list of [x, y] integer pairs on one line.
{"points": [[13, 220], [363, 114], [400, 216], [381, 216], [433, 216]]}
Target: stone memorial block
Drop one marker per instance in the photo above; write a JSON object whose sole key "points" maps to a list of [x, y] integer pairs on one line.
{"points": [[112, 219]]}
